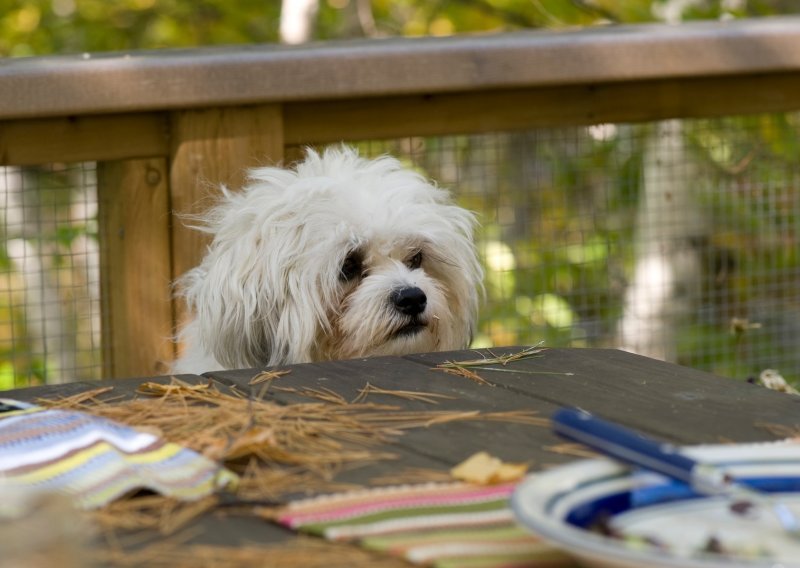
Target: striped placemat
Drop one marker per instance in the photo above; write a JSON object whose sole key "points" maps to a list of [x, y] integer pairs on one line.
{"points": [[438, 524], [93, 460]]}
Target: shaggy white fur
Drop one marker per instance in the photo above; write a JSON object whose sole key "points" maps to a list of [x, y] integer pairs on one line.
{"points": [[340, 257]]}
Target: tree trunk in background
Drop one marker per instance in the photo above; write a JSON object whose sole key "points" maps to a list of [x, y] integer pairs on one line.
{"points": [[667, 279], [297, 20]]}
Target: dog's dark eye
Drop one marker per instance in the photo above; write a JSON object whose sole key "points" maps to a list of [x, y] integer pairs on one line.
{"points": [[352, 267], [415, 261]]}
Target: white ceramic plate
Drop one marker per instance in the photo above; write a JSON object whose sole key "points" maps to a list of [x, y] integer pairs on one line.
{"points": [[564, 506]]}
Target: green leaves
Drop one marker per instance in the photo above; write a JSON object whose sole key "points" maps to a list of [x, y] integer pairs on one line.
{"points": [[39, 27]]}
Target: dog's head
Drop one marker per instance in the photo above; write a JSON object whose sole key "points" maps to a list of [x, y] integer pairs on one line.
{"points": [[339, 257]]}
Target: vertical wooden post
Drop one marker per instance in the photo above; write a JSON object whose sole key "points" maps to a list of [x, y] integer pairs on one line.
{"points": [[136, 267], [210, 148]]}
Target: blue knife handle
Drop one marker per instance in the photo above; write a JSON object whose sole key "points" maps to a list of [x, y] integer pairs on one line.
{"points": [[623, 444]]}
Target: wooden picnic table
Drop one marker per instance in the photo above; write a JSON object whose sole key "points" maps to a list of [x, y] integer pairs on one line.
{"points": [[675, 403]]}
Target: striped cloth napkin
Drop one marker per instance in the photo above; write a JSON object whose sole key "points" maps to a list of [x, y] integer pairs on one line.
{"points": [[445, 525], [92, 460]]}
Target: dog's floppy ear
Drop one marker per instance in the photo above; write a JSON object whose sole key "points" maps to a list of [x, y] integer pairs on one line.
{"points": [[450, 231], [219, 293], [255, 296]]}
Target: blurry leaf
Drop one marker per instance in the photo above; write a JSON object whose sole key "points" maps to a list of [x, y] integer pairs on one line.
{"points": [[499, 256], [65, 234], [552, 310], [6, 375], [595, 249], [781, 136]]}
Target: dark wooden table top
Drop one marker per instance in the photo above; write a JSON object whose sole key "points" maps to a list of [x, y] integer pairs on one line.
{"points": [[671, 402]]}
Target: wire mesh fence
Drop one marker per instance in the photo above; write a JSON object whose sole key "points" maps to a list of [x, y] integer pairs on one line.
{"points": [[677, 240], [49, 275]]}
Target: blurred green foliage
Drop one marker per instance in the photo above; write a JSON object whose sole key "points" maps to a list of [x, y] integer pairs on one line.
{"points": [[563, 278], [40, 27]]}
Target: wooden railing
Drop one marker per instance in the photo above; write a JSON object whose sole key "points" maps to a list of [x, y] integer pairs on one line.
{"points": [[167, 127]]}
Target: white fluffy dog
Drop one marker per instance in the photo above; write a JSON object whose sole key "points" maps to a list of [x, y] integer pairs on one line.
{"points": [[340, 257]]}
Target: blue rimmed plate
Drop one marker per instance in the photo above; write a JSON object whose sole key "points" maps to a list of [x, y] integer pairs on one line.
{"points": [[658, 523]]}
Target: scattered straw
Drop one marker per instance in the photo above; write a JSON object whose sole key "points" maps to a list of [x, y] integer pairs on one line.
{"points": [[138, 550], [780, 430], [267, 376], [454, 369], [280, 449], [322, 393], [571, 449], [90, 396], [518, 417], [527, 353], [460, 368], [164, 515], [527, 371], [428, 397]]}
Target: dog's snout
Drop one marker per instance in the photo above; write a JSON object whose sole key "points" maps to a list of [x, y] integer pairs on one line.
{"points": [[410, 300]]}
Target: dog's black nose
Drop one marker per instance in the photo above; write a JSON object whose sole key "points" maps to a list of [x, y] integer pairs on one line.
{"points": [[410, 301]]}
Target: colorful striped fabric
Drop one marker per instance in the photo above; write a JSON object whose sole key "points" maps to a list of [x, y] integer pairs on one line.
{"points": [[93, 460], [439, 524]]}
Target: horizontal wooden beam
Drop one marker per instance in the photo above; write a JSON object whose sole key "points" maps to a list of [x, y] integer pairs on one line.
{"points": [[396, 117], [142, 135], [86, 138], [214, 77]]}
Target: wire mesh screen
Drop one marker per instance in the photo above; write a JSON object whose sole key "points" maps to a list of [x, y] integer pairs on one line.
{"points": [[49, 275], [677, 240]]}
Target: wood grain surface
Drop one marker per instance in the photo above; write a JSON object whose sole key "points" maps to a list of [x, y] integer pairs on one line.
{"points": [[674, 403]]}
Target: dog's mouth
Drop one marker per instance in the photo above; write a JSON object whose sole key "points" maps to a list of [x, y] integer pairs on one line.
{"points": [[413, 327]]}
